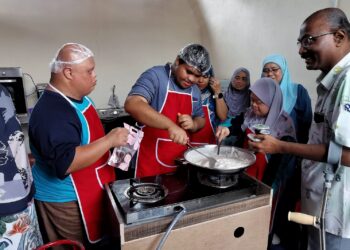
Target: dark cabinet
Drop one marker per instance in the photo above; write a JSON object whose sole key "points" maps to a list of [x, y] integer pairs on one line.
{"points": [[112, 118]]}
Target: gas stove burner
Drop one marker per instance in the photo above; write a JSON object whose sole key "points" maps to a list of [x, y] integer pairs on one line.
{"points": [[181, 190], [146, 192], [217, 180]]}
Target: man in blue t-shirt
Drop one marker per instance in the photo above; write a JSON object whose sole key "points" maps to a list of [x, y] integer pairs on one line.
{"points": [[71, 151], [166, 100]]}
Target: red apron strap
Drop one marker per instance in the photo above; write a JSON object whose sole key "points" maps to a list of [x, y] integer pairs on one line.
{"points": [[88, 184], [206, 135]]}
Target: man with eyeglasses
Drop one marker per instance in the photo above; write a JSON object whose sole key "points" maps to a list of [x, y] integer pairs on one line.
{"points": [[324, 44]]}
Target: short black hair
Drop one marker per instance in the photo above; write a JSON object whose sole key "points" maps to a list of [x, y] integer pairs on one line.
{"points": [[335, 17]]}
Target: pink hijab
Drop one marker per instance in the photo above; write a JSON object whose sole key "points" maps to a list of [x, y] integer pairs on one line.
{"points": [[271, 95]]}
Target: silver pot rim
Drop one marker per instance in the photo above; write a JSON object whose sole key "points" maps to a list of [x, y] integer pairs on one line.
{"points": [[243, 157]]}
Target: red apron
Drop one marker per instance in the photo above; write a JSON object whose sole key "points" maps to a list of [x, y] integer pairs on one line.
{"points": [[88, 183], [206, 135], [157, 152], [258, 168]]}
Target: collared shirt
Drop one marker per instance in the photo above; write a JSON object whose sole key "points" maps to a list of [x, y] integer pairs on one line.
{"points": [[333, 102]]}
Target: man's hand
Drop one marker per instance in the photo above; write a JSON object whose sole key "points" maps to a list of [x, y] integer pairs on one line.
{"points": [[88, 154], [268, 144], [185, 121], [178, 135], [117, 137]]}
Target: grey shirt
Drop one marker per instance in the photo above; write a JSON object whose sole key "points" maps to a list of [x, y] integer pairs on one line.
{"points": [[332, 101]]}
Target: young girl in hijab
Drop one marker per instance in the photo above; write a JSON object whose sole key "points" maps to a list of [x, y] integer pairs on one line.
{"points": [[296, 100], [266, 108], [274, 170]]}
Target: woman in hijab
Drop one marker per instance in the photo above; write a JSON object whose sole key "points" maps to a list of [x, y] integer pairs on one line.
{"points": [[237, 94], [237, 99], [274, 170], [296, 100]]}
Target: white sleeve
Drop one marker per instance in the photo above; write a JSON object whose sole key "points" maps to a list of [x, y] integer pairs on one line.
{"points": [[341, 114], [334, 153]]}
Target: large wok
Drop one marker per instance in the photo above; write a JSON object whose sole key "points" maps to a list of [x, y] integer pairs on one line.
{"points": [[230, 160]]}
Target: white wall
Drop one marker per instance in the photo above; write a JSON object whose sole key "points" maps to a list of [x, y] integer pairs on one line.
{"points": [[243, 33], [128, 36]]}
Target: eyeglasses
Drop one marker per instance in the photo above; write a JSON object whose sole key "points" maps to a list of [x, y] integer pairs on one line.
{"points": [[307, 41], [268, 70]]}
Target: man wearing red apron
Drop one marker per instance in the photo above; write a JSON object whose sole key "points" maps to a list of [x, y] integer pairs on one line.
{"points": [[88, 182], [71, 151], [166, 101]]}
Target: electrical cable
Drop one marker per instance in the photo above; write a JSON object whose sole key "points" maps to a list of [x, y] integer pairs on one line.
{"points": [[182, 211]]}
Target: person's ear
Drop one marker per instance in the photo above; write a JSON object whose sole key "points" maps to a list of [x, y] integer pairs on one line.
{"points": [[177, 61], [67, 72], [339, 36]]}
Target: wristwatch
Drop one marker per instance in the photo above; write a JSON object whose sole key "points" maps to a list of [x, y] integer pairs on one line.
{"points": [[218, 96]]}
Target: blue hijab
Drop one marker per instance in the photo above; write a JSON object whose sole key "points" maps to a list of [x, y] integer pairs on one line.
{"points": [[289, 89]]}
